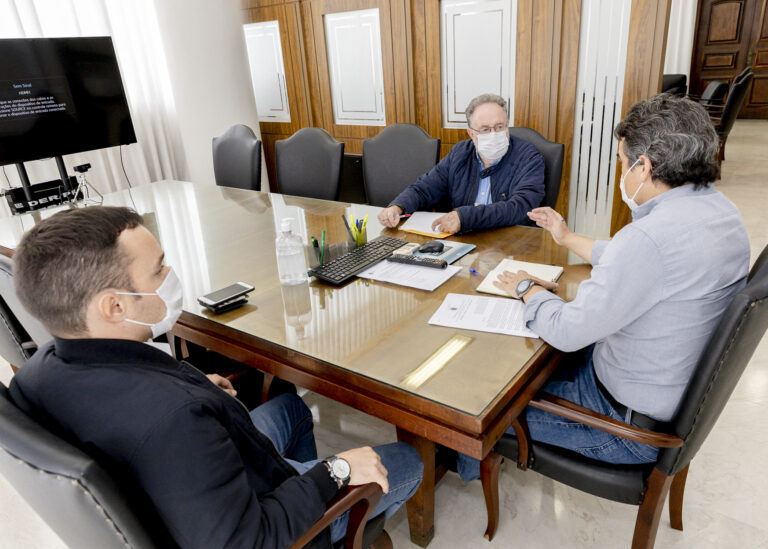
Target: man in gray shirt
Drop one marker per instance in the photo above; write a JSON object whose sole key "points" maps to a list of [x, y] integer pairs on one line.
{"points": [[657, 290]]}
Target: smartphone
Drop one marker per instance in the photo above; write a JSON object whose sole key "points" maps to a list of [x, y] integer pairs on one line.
{"points": [[220, 297]]}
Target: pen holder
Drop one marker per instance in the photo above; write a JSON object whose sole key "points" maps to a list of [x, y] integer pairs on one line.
{"points": [[362, 237]]}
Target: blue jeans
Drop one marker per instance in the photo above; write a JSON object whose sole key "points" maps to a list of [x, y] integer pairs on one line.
{"points": [[287, 422], [578, 385]]}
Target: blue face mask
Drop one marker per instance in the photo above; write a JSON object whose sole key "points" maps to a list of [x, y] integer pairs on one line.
{"points": [[627, 200]]}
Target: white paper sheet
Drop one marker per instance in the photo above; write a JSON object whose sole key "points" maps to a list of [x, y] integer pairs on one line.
{"points": [[484, 314], [421, 222], [413, 276], [544, 272]]}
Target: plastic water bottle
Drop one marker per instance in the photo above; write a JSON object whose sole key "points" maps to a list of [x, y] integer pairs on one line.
{"points": [[291, 262]]}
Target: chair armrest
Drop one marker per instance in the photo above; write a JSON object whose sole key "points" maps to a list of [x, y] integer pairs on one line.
{"points": [[571, 410], [360, 500]]}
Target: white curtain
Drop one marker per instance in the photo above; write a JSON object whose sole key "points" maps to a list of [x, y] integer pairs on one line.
{"points": [[132, 24], [682, 27]]}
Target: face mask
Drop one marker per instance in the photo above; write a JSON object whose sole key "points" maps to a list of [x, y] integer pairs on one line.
{"points": [[170, 291], [492, 146], [627, 200]]}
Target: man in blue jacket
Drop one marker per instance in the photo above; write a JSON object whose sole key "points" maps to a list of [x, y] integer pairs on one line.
{"points": [[491, 179], [215, 474]]}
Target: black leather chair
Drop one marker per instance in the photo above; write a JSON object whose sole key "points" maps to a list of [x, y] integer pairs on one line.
{"points": [[725, 117], [721, 364], [309, 164], [237, 159], [20, 333], [553, 154], [714, 94], [676, 84], [396, 158], [84, 505]]}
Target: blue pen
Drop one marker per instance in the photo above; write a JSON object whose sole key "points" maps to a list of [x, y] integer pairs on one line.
{"points": [[472, 271]]}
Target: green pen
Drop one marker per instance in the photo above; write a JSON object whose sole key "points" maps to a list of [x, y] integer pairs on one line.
{"points": [[322, 246]]}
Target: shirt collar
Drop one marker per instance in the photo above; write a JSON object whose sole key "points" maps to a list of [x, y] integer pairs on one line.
{"points": [[675, 192], [102, 351]]}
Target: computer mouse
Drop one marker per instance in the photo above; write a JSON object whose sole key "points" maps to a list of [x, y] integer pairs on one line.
{"points": [[434, 247]]}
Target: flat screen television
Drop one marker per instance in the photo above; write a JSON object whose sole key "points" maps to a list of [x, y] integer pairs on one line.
{"points": [[60, 96]]}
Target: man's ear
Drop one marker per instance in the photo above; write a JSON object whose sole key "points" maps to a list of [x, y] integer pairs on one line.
{"points": [[110, 307], [646, 168]]}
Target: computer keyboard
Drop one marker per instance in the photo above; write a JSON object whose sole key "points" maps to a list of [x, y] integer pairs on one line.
{"points": [[348, 265]]}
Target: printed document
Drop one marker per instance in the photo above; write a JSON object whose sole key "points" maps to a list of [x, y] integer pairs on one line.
{"points": [[421, 223], [545, 272], [484, 314], [413, 276]]}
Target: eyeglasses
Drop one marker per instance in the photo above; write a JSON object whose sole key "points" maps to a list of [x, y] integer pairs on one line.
{"points": [[488, 129]]}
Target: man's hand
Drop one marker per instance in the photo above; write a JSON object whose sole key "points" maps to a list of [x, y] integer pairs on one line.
{"points": [[366, 466], [390, 217], [509, 280], [549, 219], [448, 223], [223, 383]]}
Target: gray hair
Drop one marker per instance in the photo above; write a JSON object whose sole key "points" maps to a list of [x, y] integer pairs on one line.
{"points": [[678, 137], [482, 100]]}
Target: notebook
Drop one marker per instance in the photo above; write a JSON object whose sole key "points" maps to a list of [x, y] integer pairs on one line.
{"points": [[421, 223], [544, 272]]}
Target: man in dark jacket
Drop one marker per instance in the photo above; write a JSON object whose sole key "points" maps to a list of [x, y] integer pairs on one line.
{"points": [[491, 180], [216, 475]]}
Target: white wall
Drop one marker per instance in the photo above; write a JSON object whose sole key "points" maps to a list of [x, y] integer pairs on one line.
{"points": [[208, 69]]}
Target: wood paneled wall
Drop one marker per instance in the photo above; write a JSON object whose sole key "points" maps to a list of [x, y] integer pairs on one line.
{"points": [[545, 88], [648, 24]]}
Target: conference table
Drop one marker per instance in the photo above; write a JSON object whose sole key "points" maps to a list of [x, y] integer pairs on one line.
{"points": [[356, 343]]}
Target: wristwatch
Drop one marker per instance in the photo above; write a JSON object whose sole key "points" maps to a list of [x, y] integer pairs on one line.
{"points": [[523, 286], [339, 470]]}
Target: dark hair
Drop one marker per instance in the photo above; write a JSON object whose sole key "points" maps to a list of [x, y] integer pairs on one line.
{"points": [[62, 262], [676, 134]]}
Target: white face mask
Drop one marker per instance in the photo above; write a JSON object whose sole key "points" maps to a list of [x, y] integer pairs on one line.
{"points": [[171, 292], [492, 146], [627, 200]]}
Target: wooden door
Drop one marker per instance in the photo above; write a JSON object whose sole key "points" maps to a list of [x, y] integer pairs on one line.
{"points": [[727, 32], [756, 105]]}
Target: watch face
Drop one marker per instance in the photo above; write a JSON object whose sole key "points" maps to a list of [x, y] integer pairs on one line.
{"points": [[341, 468], [523, 286]]}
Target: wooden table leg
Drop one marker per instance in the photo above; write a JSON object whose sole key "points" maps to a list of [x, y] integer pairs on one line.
{"points": [[421, 506]]}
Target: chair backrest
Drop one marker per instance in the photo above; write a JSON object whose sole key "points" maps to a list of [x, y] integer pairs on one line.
{"points": [[714, 93], [396, 158], [728, 352], [733, 103], [553, 154], [676, 84], [237, 159], [68, 489], [28, 324], [309, 164]]}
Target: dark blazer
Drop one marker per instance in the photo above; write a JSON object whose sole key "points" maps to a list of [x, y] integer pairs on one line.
{"points": [[517, 186], [214, 480]]}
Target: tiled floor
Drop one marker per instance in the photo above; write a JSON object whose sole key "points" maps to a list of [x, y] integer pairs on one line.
{"points": [[726, 498]]}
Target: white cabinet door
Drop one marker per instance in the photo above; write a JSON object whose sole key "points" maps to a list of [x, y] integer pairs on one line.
{"points": [[353, 43], [477, 49], [265, 56]]}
